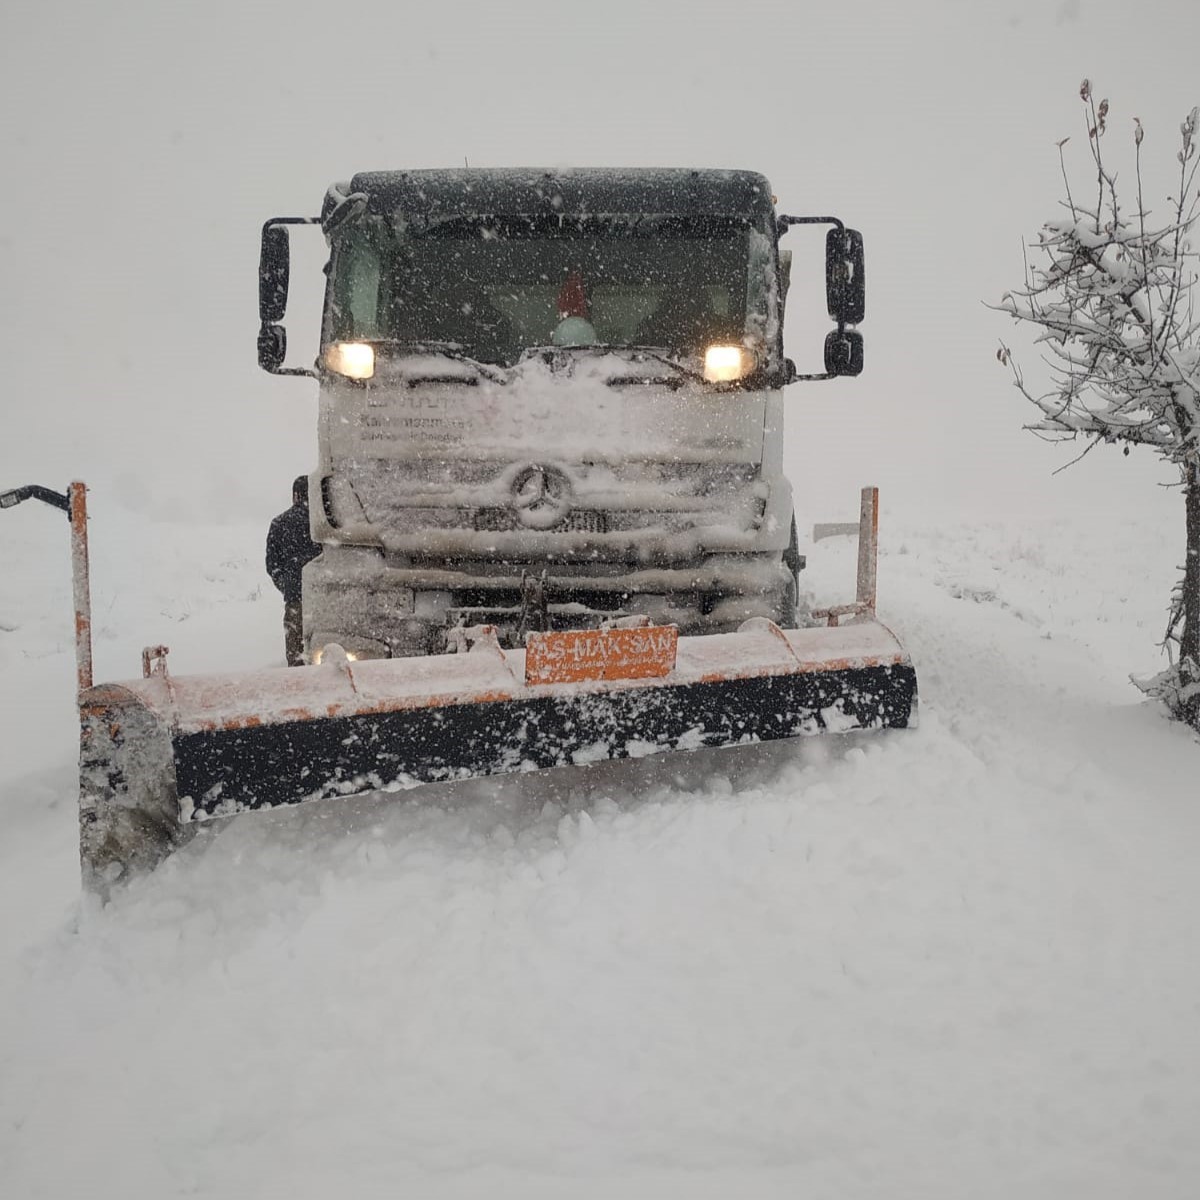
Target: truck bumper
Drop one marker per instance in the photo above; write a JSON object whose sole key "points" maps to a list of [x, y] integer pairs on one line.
{"points": [[373, 608]]}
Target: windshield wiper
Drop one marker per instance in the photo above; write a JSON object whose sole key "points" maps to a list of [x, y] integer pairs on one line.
{"points": [[451, 350], [656, 354], [660, 355]]}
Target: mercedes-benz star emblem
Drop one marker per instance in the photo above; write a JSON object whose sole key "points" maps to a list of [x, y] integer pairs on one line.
{"points": [[541, 496]]}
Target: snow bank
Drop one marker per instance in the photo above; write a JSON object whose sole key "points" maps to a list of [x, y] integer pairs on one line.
{"points": [[956, 961]]}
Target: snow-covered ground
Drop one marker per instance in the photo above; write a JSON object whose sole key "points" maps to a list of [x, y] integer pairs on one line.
{"points": [[956, 961]]}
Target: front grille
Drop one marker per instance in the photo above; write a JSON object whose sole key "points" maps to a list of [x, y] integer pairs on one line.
{"points": [[609, 604], [494, 520], [504, 520]]}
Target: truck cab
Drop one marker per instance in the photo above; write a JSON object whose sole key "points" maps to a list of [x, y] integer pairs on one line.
{"points": [[550, 400]]}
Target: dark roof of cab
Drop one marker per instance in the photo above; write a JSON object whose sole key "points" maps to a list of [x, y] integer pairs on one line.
{"points": [[484, 191]]}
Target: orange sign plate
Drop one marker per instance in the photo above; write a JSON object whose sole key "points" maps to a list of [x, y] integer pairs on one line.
{"points": [[576, 655]]}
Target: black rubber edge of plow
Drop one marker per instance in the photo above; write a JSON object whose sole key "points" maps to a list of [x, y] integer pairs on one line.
{"points": [[225, 771]]}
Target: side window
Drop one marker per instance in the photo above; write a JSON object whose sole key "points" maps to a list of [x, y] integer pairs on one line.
{"points": [[362, 286], [762, 290], [356, 295]]}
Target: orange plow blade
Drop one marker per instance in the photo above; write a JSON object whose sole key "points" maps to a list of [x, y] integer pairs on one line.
{"points": [[161, 754]]}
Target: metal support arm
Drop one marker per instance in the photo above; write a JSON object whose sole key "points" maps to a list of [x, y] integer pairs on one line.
{"points": [[35, 491], [74, 503]]}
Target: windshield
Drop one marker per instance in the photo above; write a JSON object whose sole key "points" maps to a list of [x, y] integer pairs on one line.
{"points": [[496, 286]]}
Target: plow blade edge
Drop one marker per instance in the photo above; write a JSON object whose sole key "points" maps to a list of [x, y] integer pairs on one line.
{"points": [[161, 754]]}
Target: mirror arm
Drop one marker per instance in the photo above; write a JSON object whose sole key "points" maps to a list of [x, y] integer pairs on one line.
{"points": [[294, 371], [783, 224], [290, 221]]}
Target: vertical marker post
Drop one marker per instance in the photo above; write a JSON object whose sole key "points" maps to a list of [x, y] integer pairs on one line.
{"points": [[868, 548], [77, 495]]}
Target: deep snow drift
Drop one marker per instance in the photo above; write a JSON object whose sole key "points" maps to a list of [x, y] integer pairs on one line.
{"points": [[956, 961]]}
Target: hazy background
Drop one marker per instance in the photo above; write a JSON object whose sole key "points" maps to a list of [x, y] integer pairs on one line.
{"points": [[144, 145]]}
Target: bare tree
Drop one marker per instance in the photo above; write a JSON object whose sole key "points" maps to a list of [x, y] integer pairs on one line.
{"points": [[1113, 295]]}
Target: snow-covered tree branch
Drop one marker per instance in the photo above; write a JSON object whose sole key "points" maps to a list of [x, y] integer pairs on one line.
{"points": [[1113, 295]]}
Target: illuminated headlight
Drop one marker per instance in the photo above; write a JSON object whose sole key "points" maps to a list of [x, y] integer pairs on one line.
{"points": [[724, 364], [355, 360]]}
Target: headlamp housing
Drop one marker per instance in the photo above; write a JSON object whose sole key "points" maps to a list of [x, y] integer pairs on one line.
{"points": [[354, 360], [728, 363]]}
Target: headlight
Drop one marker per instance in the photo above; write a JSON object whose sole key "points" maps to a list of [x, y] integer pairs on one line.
{"points": [[724, 364], [355, 360]]}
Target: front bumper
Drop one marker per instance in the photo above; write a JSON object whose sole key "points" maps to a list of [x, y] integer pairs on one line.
{"points": [[351, 595]]}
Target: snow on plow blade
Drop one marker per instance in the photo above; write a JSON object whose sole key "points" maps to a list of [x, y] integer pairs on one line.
{"points": [[162, 753]]}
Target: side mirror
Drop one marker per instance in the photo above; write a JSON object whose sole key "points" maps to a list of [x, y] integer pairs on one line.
{"points": [[843, 352], [272, 347], [845, 286], [274, 269]]}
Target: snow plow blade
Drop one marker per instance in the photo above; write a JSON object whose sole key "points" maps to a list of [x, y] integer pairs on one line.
{"points": [[160, 754]]}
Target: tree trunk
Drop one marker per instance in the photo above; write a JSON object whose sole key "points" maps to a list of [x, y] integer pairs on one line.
{"points": [[1189, 641]]}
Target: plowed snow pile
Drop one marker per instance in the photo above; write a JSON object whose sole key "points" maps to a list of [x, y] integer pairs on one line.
{"points": [[957, 961]]}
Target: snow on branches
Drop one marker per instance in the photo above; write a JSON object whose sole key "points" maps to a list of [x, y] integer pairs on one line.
{"points": [[1112, 293]]}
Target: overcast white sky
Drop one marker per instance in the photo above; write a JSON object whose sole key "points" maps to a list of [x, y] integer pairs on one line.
{"points": [[145, 143]]}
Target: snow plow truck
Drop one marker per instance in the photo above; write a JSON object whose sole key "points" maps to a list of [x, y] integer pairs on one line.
{"points": [[550, 500]]}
